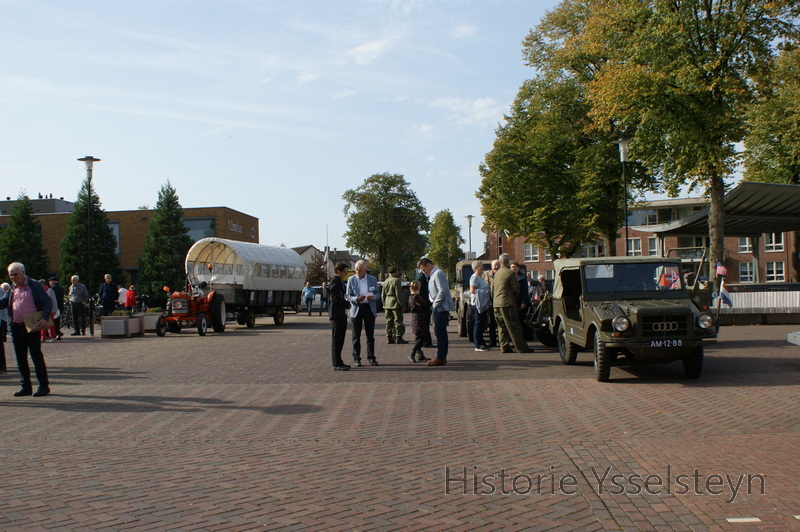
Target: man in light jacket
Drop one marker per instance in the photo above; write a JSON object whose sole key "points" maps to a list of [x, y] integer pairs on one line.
{"points": [[363, 294], [439, 294]]}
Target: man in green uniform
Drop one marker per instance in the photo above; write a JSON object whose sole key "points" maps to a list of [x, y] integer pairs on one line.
{"points": [[505, 289], [393, 305]]}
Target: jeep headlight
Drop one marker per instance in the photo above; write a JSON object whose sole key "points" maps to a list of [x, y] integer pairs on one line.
{"points": [[621, 323], [705, 321]]}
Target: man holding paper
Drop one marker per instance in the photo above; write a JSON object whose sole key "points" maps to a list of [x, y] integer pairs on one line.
{"points": [[24, 301]]}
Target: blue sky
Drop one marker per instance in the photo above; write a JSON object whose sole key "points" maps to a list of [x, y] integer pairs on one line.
{"points": [[272, 108]]}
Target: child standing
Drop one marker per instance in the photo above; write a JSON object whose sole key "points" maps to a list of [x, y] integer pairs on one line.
{"points": [[419, 306]]}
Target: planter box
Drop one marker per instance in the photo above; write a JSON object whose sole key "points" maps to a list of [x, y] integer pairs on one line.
{"points": [[149, 320], [121, 326]]}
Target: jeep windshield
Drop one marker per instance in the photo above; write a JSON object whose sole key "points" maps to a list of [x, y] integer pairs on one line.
{"points": [[638, 280]]}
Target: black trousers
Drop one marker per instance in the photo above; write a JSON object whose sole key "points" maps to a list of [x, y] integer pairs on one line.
{"points": [[426, 328], [78, 317], [338, 332], [25, 342], [364, 319]]}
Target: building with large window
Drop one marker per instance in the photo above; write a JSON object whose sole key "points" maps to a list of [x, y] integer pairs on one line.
{"points": [[130, 228], [767, 257]]}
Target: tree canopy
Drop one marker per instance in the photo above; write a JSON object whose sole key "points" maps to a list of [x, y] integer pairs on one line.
{"points": [[384, 220], [162, 262], [674, 77], [89, 259], [444, 244], [21, 240]]}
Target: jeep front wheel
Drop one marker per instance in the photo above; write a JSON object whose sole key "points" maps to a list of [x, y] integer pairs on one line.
{"points": [[567, 350], [602, 360], [693, 363]]}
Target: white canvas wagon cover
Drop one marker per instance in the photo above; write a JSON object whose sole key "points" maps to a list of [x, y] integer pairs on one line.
{"points": [[251, 266]]}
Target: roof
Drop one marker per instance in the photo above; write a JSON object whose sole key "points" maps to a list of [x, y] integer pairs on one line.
{"points": [[560, 264], [750, 209]]}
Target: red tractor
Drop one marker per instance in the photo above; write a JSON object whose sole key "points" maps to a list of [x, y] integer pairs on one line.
{"points": [[192, 308]]}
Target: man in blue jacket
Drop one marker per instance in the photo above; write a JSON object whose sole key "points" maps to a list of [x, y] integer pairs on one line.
{"points": [[27, 296], [363, 294]]}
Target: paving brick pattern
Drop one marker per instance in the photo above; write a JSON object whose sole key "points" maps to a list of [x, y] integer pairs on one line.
{"points": [[252, 430]]}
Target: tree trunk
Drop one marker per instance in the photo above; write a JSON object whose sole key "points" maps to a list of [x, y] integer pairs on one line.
{"points": [[716, 223]]}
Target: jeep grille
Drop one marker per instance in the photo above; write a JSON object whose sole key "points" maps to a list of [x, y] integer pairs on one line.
{"points": [[665, 325]]}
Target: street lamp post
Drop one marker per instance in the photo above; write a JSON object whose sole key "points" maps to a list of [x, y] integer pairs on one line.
{"points": [[469, 232], [623, 158], [89, 160]]}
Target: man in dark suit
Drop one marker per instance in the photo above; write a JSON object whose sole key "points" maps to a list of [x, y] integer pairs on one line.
{"points": [[109, 294], [423, 279], [337, 312]]}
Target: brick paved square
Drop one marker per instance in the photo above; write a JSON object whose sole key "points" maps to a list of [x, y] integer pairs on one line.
{"points": [[252, 429]]}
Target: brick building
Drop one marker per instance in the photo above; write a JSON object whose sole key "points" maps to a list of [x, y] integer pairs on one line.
{"points": [[767, 257], [130, 228]]}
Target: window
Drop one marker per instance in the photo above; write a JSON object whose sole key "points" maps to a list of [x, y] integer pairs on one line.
{"points": [[200, 227], [745, 244], [775, 271], [499, 245], [746, 273], [547, 256], [531, 253], [592, 250], [114, 226], [773, 242], [652, 246], [550, 275], [635, 247]]}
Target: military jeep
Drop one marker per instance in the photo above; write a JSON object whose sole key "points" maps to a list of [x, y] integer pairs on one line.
{"points": [[626, 311]]}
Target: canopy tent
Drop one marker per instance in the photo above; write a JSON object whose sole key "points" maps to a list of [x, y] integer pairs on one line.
{"points": [[251, 266], [750, 209]]}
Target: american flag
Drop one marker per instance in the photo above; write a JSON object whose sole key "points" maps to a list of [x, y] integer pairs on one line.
{"points": [[721, 270]]}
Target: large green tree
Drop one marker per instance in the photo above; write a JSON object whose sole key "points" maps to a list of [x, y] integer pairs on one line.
{"points": [[772, 145], [162, 263], [384, 220], [89, 259], [21, 240], [444, 243], [678, 79]]}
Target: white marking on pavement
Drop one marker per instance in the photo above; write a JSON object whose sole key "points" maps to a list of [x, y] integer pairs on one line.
{"points": [[743, 520]]}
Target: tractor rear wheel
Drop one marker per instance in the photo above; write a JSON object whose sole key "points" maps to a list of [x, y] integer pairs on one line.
{"points": [[161, 326], [218, 316]]}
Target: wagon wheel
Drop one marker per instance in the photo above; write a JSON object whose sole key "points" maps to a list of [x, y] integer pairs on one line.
{"points": [[278, 317], [251, 319], [218, 316]]}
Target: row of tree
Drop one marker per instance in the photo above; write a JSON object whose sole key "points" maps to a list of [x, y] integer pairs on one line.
{"points": [[702, 88], [89, 247]]}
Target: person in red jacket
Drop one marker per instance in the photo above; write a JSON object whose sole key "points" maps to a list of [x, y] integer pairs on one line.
{"points": [[130, 298]]}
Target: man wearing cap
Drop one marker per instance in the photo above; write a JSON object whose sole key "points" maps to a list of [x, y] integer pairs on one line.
{"points": [[59, 293]]}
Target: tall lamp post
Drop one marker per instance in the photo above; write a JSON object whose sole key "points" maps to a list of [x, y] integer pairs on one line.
{"points": [[623, 158], [469, 232], [89, 160]]}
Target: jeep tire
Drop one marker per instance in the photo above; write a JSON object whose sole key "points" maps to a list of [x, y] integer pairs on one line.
{"points": [[602, 360], [567, 349], [693, 363]]}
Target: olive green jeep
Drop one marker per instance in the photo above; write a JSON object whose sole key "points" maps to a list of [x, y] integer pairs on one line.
{"points": [[627, 310]]}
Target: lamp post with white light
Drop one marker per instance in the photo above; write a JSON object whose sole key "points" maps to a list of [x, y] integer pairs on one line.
{"points": [[469, 232], [89, 160], [623, 158]]}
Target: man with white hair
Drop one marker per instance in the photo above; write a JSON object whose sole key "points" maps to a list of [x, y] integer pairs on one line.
{"points": [[363, 294], [4, 288], [78, 296], [27, 297]]}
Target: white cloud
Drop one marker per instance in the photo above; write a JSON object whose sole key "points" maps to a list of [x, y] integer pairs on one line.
{"points": [[368, 52], [477, 111], [307, 78], [424, 131], [344, 93], [463, 31]]}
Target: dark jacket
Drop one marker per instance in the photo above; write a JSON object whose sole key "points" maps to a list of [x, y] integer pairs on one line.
{"points": [[422, 279], [337, 304], [40, 297], [109, 292], [59, 292]]}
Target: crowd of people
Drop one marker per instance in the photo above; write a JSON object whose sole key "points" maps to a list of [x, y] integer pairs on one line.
{"points": [[31, 310], [501, 300]]}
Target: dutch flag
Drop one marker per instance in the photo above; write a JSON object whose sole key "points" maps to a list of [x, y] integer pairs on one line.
{"points": [[724, 296]]}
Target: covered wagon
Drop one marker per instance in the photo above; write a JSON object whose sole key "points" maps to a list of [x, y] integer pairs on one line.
{"points": [[256, 280]]}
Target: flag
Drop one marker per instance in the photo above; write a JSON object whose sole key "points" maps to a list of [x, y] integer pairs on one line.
{"points": [[721, 270], [724, 296]]}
